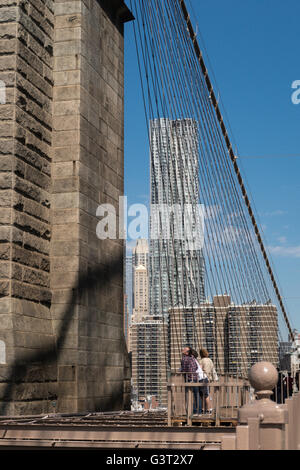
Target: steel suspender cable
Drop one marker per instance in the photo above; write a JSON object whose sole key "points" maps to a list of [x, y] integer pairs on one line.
{"points": [[233, 158], [175, 87]]}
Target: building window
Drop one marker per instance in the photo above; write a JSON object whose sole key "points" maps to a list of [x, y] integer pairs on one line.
{"points": [[2, 353]]}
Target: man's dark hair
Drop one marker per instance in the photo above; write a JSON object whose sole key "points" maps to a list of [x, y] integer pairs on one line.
{"points": [[194, 353]]}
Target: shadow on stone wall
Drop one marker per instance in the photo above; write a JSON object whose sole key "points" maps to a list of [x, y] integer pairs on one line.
{"points": [[50, 354]]}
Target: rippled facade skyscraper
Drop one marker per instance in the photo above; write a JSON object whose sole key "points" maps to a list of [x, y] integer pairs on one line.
{"points": [[176, 270]]}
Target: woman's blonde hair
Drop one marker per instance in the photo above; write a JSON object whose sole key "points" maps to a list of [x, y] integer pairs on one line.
{"points": [[204, 353]]}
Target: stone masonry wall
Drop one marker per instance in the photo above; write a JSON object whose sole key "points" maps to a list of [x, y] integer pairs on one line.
{"points": [[61, 155], [26, 45], [87, 171]]}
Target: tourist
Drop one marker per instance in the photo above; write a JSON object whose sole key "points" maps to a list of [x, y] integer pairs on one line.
{"points": [[200, 376], [189, 367], [209, 375]]}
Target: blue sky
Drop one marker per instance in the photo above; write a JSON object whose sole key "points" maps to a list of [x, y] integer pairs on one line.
{"points": [[252, 51]]}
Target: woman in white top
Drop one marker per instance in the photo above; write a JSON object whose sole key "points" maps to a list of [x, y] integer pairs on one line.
{"points": [[210, 374]]}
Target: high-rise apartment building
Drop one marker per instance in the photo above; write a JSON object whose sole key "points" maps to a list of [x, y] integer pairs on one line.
{"points": [[140, 279], [176, 269], [140, 292], [147, 335], [149, 359], [128, 296], [236, 336]]}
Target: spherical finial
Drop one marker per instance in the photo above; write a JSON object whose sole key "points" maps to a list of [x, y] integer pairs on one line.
{"points": [[263, 376]]}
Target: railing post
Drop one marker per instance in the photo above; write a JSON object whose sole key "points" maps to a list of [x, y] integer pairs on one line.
{"points": [[190, 407], [169, 405], [292, 405], [290, 437], [178, 395], [217, 417], [271, 417]]}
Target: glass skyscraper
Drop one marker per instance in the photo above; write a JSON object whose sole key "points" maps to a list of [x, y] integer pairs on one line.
{"points": [[176, 266]]}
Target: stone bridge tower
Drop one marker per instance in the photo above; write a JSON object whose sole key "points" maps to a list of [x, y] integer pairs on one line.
{"points": [[61, 155]]}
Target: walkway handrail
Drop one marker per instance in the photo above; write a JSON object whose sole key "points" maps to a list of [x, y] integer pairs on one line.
{"points": [[225, 399]]}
